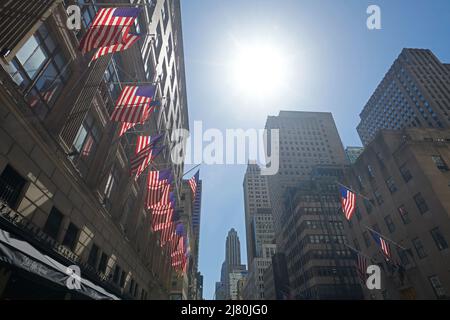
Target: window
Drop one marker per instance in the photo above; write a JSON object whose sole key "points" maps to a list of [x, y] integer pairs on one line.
{"points": [[404, 215], [117, 271], [370, 171], [378, 197], [380, 159], [368, 205], [53, 223], [110, 186], [418, 245], [85, 143], [131, 287], [390, 183], [88, 14], [136, 289], [358, 214], [437, 287], [126, 210], [112, 80], [40, 70], [360, 182], [122, 279], [389, 223], [366, 239], [439, 239], [11, 186], [70, 239], [404, 259], [93, 256], [158, 40], [421, 203], [406, 174], [103, 263], [440, 163]]}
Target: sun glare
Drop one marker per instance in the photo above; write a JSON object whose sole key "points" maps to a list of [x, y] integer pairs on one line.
{"points": [[259, 70]]}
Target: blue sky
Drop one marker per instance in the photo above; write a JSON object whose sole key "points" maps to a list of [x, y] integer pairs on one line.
{"points": [[335, 63]]}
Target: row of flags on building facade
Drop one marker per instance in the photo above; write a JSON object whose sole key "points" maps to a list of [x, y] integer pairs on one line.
{"points": [[348, 205], [109, 33]]}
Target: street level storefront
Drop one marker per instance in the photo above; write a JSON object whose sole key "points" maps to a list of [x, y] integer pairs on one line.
{"points": [[27, 272]]}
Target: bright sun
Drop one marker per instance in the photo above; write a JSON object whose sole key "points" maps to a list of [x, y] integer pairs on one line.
{"points": [[258, 70]]}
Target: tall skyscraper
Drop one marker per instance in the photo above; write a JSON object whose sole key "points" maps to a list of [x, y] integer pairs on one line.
{"points": [[319, 263], [307, 139], [259, 230], [256, 199], [353, 153], [232, 270], [232, 250], [65, 181], [415, 92], [196, 215], [406, 173]]}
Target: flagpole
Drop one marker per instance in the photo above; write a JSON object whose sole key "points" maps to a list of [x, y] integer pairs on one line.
{"points": [[393, 242], [191, 169], [359, 252], [137, 82], [114, 4], [355, 192]]}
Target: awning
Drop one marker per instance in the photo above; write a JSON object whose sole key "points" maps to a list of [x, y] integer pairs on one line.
{"points": [[23, 255]]}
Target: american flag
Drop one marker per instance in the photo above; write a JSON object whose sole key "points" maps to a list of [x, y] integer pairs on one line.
{"points": [[361, 265], [110, 31], [172, 231], [133, 105], [162, 220], [382, 243], [145, 152], [173, 242], [87, 148], [165, 201], [163, 211], [193, 182], [127, 41], [47, 94], [167, 234], [151, 155], [125, 126], [178, 256], [145, 143], [348, 199], [156, 180]]}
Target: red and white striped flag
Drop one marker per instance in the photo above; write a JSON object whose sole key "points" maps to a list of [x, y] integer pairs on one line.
{"points": [[87, 148], [348, 201], [156, 181], [133, 105], [193, 182], [125, 126], [127, 41], [145, 153], [110, 28], [167, 233], [163, 211], [162, 220], [361, 265], [178, 254]]}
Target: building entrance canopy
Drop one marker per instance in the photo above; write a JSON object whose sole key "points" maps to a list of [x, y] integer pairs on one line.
{"points": [[23, 255]]}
